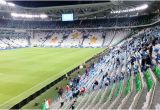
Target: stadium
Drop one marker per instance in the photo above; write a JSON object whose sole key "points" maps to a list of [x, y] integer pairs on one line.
{"points": [[79, 54]]}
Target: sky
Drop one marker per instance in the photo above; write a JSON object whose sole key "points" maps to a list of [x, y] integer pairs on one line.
{"points": [[51, 3]]}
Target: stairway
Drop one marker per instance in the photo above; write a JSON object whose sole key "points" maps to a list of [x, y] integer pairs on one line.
{"points": [[132, 95], [60, 43], [144, 90], [96, 99], [82, 41], [142, 98], [104, 97], [113, 97], [116, 95], [103, 42], [118, 102], [83, 101], [93, 94], [156, 97], [107, 102], [48, 36]]}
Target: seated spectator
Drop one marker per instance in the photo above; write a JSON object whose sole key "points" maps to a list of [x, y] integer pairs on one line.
{"points": [[73, 105], [75, 93], [105, 75], [95, 83], [82, 90]]}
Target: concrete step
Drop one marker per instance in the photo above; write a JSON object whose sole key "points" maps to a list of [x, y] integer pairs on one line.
{"points": [[96, 99], [107, 102], [142, 98], [118, 102], [156, 99], [91, 97], [104, 97], [131, 97]]}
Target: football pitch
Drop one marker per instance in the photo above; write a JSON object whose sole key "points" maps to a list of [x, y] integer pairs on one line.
{"points": [[24, 71]]}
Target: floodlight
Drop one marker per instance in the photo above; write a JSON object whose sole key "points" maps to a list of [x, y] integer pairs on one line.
{"points": [[43, 16], [11, 4], [145, 6], [142, 7], [2, 2], [28, 15], [14, 14], [36, 16]]}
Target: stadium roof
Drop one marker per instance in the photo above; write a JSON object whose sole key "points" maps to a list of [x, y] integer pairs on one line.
{"points": [[52, 3], [82, 10]]}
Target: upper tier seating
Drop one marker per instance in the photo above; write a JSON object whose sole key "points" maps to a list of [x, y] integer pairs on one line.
{"points": [[97, 23]]}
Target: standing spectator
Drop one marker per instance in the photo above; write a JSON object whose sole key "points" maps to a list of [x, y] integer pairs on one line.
{"points": [[148, 60], [133, 59], [144, 56], [61, 102], [87, 73], [150, 49], [70, 83], [78, 78], [67, 88], [101, 71], [60, 91], [75, 92], [117, 62], [95, 83]]}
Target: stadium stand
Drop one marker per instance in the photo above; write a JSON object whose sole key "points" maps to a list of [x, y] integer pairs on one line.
{"points": [[24, 24], [128, 84], [126, 77], [73, 38], [11, 39]]}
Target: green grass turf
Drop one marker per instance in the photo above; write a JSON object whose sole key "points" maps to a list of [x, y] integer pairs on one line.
{"points": [[24, 71]]}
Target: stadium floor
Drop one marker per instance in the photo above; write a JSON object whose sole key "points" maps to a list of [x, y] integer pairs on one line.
{"points": [[23, 71]]}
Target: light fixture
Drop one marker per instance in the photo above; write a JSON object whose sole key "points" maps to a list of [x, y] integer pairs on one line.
{"points": [[43, 16], [11, 4], [142, 7], [29, 15], [3, 2]]}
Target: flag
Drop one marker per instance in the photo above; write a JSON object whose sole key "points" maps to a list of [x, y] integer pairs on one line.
{"points": [[49, 102], [75, 35], [46, 104], [93, 40], [55, 39]]}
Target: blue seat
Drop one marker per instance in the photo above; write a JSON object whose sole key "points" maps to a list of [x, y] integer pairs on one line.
{"points": [[156, 50]]}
